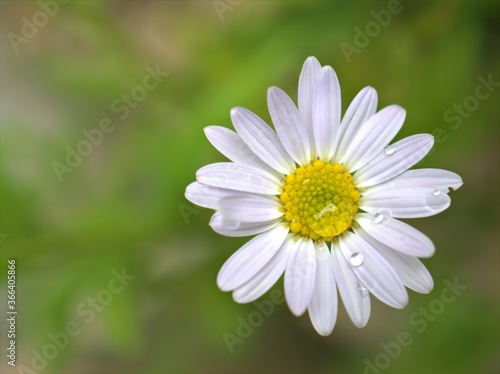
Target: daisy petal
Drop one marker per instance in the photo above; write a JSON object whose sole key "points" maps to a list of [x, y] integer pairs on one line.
{"points": [[307, 86], [355, 297], [436, 179], [395, 159], [267, 277], [405, 202], [326, 112], [323, 305], [397, 235], [289, 125], [373, 136], [374, 272], [206, 196], [233, 227], [239, 178], [411, 270], [262, 140], [230, 144], [251, 258], [250, 208], [360, 110], [300, 275]]}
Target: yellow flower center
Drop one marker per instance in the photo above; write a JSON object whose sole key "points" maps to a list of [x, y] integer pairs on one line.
{"points": [[319, 200]]}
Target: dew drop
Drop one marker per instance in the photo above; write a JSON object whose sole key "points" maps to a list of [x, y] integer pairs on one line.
{"points": [[378, 217], [389, 150], [328, 208], [257, 180], [437, 192], [357, 259], [362, 289]]}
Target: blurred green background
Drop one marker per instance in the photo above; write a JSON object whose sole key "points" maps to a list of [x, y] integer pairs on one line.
{"points": [[123, 205]]}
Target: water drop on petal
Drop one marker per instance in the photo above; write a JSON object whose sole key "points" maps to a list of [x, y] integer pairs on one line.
{"points": [[378, 217], [389, 150], [357, 259], [257, 180], [362, 289], [437, 192]]}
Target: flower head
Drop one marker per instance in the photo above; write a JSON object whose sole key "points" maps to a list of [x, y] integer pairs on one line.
{"points": [[323, 196]]}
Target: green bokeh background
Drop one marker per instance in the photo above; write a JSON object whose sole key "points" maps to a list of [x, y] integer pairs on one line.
{"points": [[123, 206]]}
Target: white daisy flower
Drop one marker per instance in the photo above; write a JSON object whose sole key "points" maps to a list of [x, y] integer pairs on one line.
{"points": [[323, 196]]}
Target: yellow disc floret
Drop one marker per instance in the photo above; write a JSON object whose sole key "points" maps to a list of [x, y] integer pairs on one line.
{"points": [[319, 200]]}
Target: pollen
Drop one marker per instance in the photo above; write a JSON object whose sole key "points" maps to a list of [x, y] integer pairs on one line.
{"points": [[319, 201]]}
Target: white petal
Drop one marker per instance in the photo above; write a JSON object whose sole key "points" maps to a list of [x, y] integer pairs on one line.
{"points": [[239, 178], [374, 272], [289, 125], [262, 140], [323, 306], [307, 86], [233, 227], [326, 113], [373, 136], [250, 208], [395, 159], [436, 179], [360, 110], [267, 277], [206, 196], [230, 144], [397, 235], [300, 276], [355, 296], [411, 270], [405, 202], [251, 258]]}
